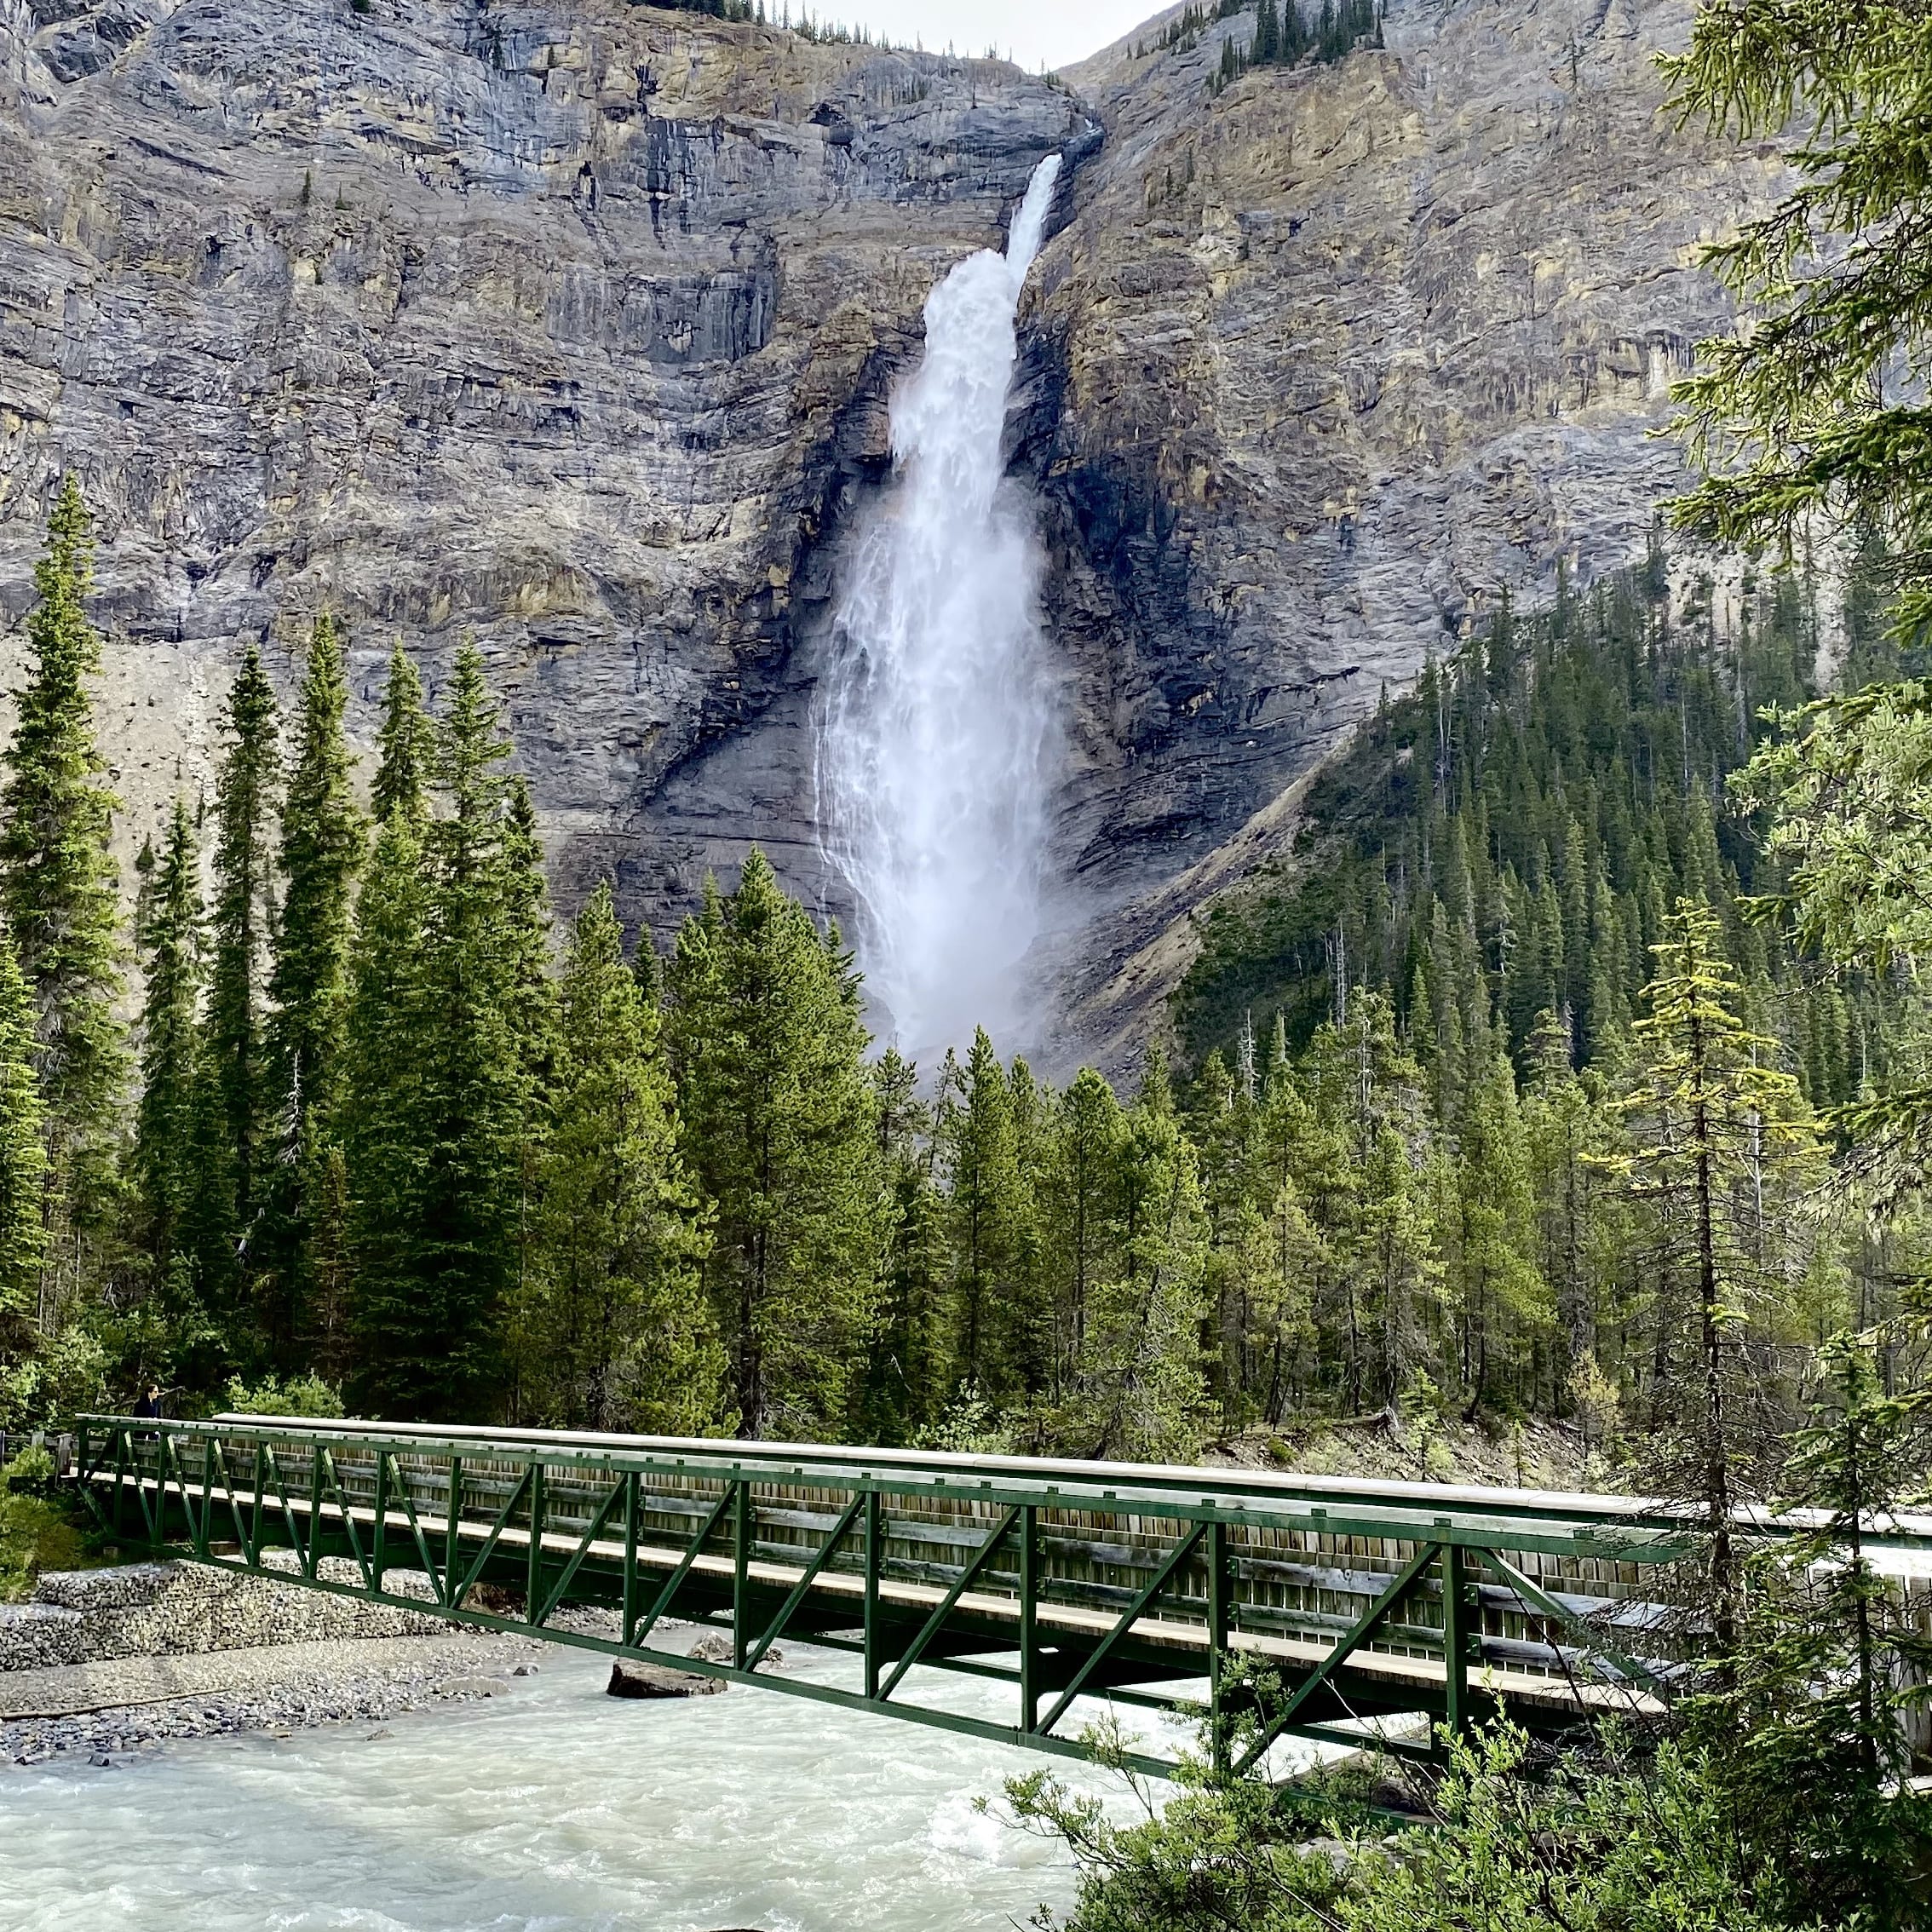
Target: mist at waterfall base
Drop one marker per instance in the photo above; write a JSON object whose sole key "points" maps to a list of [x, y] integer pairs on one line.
{"points": [[938, 731]]}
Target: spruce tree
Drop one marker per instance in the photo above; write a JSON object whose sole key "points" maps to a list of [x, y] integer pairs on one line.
{"points": [[1809, 1735], [237, 1096], [323, 842], [1140, 1390], [992, 1357], [1723, 1152], [474, 1090], [903, 1390], [1797, 422], [620, 1336], [57, 893], [23, 1163], [769, 1047], [169, 943], [1502, 1300], [396, 1357], [1268, 33], [406, 745], [1079, 1207]]}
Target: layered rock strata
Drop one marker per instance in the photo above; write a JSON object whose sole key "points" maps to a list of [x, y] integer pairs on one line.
{"points": [[565, 325], [575, 325], [1319, 368]]}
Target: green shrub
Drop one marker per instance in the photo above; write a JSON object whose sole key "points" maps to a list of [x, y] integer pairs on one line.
{"points": [[306, 1395], [30, 1473], [35, 1535]]}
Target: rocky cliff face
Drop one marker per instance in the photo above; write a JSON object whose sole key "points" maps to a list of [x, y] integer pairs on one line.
{"points": [[1317, 368], [568, 325], [575, 324]]}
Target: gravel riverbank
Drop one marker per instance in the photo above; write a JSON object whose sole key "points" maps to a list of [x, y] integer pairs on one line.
{"points": [[107, 1662], [136, 1705]]}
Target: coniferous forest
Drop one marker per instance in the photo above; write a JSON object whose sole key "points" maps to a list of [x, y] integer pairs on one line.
{"points": [[342, 1113], [1569, 1067]]}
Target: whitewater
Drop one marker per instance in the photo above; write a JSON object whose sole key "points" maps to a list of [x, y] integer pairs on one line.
{"points": [[938, 728]]}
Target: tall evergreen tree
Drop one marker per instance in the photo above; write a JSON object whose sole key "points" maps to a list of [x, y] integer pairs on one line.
{"points": [[169, 943], [238, 1131], [398, 1360], [23, 1162], [619, 1335], [406, 745], [1724, 1152], [322, 848], [1141, 1390], [992, 1358], [769, 1047], [1502, 1299], [903, 1390], [1080, 1206], [57, 892], [475, 1092]]}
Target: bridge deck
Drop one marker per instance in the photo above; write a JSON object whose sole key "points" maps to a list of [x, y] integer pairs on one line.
{"points": [[1308, 1606]]}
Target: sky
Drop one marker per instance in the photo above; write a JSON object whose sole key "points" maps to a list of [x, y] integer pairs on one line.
{"points": [[1051, 33]]}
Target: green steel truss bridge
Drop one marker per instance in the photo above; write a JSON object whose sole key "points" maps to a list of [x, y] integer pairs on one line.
{"points": [[1283, 1605]]}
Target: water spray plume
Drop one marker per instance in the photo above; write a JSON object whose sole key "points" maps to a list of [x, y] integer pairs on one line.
{"points": [[937, 728]]}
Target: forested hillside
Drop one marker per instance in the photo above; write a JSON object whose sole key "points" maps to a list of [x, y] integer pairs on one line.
{"points": [[379, 1132], [1508, 839]]}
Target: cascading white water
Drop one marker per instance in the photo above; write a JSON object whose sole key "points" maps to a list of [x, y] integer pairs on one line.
{"points": [[937, 727]]}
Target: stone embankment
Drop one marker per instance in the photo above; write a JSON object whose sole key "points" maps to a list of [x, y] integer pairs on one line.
{"points": [[106, 1661]]}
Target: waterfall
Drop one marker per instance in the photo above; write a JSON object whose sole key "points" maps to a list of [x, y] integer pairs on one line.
{"points": [[936, 728]]}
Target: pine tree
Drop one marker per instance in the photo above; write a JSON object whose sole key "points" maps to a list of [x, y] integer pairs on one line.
{"points": [[1723, 1152], [903, 1391], [1809, 1735], [1141, 1391], [1079, 1207], [23, 1162], [1268, 33], [475, 1092], [169, 942], [1570, 1135], [239, 1129], [1501, 1299], [322, 842], [992, 1359], [1797, 420], [769, 1047], [406, 745], [57, 893], [622, 1335], [397, 1364]]}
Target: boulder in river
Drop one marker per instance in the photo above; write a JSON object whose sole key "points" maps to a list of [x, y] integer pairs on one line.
{"points": [[716, 1649], [654, 1679]]}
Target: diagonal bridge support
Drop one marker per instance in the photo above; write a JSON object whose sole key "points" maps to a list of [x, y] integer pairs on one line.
{"points": [[1267, 1607]]}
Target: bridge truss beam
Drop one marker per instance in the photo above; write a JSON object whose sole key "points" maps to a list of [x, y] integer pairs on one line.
{"points": [[1269, 1607]]}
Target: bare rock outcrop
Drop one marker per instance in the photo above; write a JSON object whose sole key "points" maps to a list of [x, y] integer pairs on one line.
{"points": [[566, 323], [1317, 368], [573, 324]]}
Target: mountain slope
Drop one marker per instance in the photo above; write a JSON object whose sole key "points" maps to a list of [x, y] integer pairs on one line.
{"points": [[574, 325]]}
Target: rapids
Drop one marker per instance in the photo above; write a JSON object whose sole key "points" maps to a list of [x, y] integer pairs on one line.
{"points": [[551, 1809]]}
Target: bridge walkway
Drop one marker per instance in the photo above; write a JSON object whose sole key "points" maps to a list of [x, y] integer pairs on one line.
{"points": [[1269, 1605]]}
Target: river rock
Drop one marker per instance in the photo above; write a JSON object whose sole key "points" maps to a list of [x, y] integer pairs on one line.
{"points": [[186, 1609], [715, 1649], [655, 1680]]}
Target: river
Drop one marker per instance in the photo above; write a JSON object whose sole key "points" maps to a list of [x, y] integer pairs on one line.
{"points": [[551, 1809]]}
